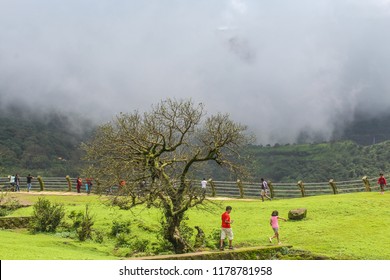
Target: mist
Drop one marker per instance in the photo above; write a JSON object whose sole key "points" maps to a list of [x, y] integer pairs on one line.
{"points": [[280, 67]]}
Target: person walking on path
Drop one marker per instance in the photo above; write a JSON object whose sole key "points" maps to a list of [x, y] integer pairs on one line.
{"points": [[79, 183], [264, 190], [382, 183], [273, 221], [226, 230], [29, 182]]}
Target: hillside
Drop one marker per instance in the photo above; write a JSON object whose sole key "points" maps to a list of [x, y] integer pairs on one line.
{"points": [[49, 146]]}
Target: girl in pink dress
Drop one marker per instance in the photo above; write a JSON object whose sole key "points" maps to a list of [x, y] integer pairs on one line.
{"points": [[275, 225]]}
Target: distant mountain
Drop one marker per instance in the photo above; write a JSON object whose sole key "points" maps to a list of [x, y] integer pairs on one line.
{"points": [[368, 131], [44, 144], [48, 145]]}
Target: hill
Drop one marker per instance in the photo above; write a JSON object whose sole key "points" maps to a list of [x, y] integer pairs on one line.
{"points": [[46, 145]]}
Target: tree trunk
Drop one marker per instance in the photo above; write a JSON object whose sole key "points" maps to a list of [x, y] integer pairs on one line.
{"points": [[173, 234]]}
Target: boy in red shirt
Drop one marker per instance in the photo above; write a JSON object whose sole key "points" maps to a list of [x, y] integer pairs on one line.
{"points": [[382, 183], [226, 230]]}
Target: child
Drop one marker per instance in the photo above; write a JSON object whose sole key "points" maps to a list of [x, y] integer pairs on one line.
{"points": [[382, 183], [275, 225], [226, 230]]}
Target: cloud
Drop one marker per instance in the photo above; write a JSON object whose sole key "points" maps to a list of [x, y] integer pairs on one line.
{"points": [[279, 66]]}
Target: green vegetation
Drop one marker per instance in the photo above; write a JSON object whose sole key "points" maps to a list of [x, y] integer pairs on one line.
{"points": [[49, 146], [313, 162], [46, 145], [347, 226]]}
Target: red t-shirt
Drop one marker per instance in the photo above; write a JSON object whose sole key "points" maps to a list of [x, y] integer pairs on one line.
{"points": [[225, 217], [382, 181]]}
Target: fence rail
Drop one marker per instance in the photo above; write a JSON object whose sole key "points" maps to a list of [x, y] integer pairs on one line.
{"points": [[233, 189]]}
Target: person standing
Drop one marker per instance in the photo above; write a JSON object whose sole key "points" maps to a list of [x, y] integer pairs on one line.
{"points": [[382, 183], [264, 190], [89, 185], [203, 184], [12, 182], [226, 230], [79, 183], [17, 183], [275, 225], [29, 182]]}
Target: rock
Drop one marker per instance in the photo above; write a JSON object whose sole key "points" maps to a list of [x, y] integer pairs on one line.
{"points": [[297, 214]]}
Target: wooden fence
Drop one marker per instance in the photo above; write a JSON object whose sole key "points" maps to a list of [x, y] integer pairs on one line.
{"points": [[238, 189]]}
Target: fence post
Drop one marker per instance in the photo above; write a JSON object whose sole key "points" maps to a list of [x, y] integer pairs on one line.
{"points": [[366, 183], [271, 189], [302, 188], [69, 183], [333, 186], [212, 184], [41, 183], [241, 188]]}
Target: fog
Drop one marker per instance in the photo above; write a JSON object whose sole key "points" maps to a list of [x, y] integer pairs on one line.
{"points": [[281, 67]]}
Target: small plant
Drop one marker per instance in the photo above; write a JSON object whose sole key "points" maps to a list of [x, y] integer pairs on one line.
{"points": [[82, 223], [98, 236], [119, 227], [213, 239], [7, 204], [85, 230], [46, 216], [122, 240], [139, 245]]}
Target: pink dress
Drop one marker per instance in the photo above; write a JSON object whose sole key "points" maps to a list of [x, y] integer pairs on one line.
{"points": [[274, 222]]}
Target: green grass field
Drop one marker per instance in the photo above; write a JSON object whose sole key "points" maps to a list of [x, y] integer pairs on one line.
{"points": [[347, 226]]}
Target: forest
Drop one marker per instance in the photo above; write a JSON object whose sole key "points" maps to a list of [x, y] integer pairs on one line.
{"points": [[49, 145]]}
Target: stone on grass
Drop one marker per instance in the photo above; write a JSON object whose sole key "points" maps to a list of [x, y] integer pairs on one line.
{"points": [[297, 214]]}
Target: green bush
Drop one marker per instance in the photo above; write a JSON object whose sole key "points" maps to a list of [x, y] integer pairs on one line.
{"points": [[122, 240], [46, 216], [82, 223], [139, 245], [119, 227], [7, 204], [98, 236]]}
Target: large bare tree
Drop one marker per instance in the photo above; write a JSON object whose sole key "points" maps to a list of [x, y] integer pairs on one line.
{"points": [[156, 152]]}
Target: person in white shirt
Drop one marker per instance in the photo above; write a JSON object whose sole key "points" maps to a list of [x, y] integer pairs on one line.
{"points": [[204, 184], [264, 190]]}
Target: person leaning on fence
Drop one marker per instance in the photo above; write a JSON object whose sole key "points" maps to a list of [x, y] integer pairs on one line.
{"points": [[382, 183], [264, 190]]}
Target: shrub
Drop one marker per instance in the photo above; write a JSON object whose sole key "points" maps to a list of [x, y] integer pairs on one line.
{"points": [[119, 227], [82, 223], [98, 236], [122, 240], [7, 204], [139, 245], [46, 216], [213, 239]]}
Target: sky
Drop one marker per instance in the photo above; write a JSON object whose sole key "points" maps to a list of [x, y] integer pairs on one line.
{"points": [[281, 66]]}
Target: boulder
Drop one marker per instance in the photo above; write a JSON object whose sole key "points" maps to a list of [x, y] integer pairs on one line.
{"points": [[297, 214]]}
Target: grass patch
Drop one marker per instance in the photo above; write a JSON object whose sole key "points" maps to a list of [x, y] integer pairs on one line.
{"points": [[347, 226]]}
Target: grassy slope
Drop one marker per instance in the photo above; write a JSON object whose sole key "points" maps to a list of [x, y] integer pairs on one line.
{"points": [[349, 226]]}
